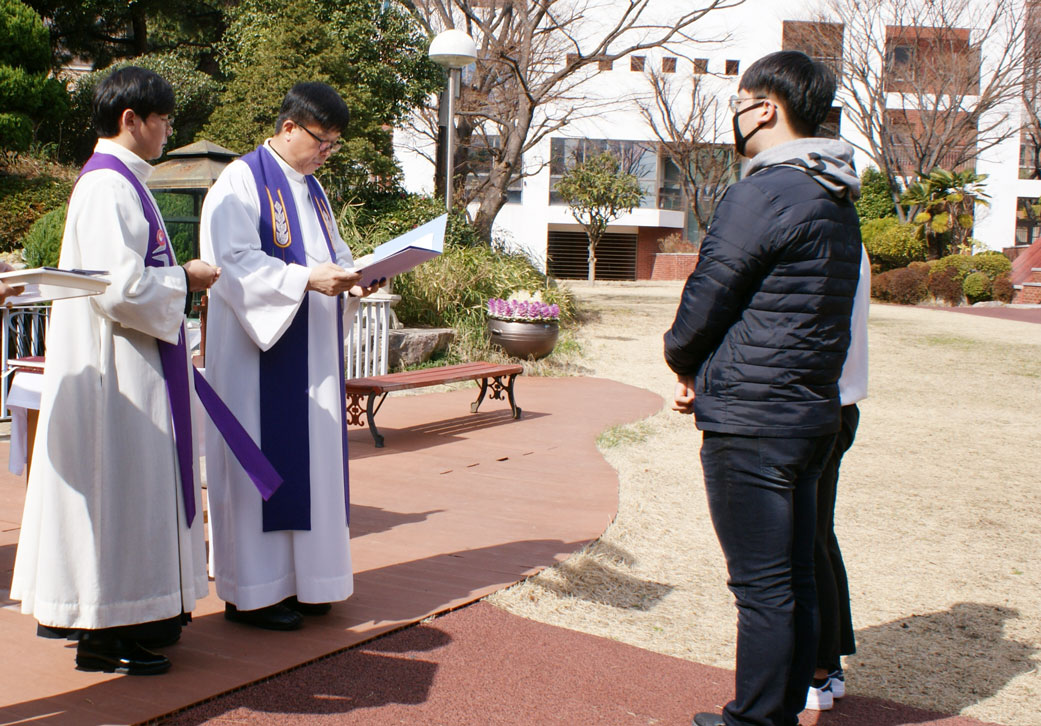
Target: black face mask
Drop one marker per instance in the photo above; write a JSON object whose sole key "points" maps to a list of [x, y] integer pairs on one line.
{"points": [[740, 141]]}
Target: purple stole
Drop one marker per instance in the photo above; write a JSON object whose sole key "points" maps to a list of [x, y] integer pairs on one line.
{"points": [[174, 358], [284, 383]]}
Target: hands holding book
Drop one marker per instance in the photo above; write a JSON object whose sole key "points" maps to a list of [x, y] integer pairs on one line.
{"points": [[329, 278]]}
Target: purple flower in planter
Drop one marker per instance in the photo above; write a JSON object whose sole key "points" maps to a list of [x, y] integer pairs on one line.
{"points": [[522, 310]]}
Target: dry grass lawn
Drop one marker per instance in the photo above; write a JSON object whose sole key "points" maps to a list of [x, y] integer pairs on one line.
{"points": [[939, 512]]}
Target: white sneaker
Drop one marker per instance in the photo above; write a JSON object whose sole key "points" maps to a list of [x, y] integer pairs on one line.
{"points": [[820, 696], [837, 681]]}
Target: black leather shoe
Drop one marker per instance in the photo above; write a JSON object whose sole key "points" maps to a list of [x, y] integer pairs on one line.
{"points": [[273, 617], [308, 608], [116, 655], [708, 719]]}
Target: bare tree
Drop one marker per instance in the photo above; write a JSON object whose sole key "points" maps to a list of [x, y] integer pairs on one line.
{"points": [[691, 132], [533, 58], [928, 84]]}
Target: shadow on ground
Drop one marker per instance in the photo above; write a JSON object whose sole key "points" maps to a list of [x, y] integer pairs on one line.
{"points": [[946, 660]]}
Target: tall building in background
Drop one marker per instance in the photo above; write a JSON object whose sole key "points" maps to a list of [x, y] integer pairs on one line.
{"points": [[923, 77]]}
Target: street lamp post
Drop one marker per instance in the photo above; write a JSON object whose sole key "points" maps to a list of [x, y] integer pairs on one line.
{"points": [[453, 49]]}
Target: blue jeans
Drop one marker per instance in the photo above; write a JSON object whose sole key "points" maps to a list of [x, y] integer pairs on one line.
{"points": [[762, 495]]}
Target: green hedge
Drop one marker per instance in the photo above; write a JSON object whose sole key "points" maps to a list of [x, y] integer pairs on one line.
{"points": [[25, 200], [43, 243], [890, 244]]}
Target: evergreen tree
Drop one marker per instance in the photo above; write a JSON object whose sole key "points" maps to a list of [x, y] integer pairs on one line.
{"points": [[371, 53], [29, 99]]}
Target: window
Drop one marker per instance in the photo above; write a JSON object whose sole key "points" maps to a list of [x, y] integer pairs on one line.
{"points": [[700, 66], [831, 126], [636, 62], [572, 58], [636, 157], [482, 152], [605, 65], [1029, 153], [1028, 221], [931, 60], [668, 64], [733, 67], [820, 41]]}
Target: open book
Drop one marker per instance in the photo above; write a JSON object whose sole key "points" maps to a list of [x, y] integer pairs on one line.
{"points": [[40, 284], [403, 253]]}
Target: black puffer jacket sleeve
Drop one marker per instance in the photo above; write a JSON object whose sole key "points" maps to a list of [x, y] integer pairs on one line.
{"points": [[732, 261]]}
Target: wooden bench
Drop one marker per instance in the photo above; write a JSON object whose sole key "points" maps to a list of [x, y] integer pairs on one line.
{"points": [[490, 375]]}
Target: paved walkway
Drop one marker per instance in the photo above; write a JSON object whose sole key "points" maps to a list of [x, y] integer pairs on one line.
{"points": [[456, 506], [480, 666]]}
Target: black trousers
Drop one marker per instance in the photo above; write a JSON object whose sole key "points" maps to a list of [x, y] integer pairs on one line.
{"points": [[762, 495], [836, 635]]}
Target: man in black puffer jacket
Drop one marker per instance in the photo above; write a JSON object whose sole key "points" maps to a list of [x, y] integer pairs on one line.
{"points": [[758, 343]]}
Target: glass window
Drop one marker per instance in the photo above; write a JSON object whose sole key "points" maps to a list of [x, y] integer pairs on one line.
{"points": [[639, 158], [700, 66], [636, 62], [668, 64], [733, 67], [1028, 221]]}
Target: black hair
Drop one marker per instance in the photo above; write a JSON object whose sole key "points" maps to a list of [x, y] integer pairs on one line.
{"points": [[806, 87], [143, 91], [314, 103]]}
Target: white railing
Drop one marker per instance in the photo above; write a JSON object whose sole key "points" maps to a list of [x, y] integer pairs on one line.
{"points": [[24, 333], [366, 349], [366, 352]]}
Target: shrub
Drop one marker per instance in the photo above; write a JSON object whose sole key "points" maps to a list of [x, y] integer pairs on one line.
{"points": [[961, 264], [196, 95], [907, 286], [880, 286], [945, 285], [675, 242], [43, 243], [992, 263], [1002, 289], [921, 267], [876, 197], [26, 199], [976, 287], [891, 244]]}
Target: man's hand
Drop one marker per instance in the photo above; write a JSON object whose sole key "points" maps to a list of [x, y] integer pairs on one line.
{"points": [[6, 290], [201, 275], [684, 395], [360, 291], [329, 278]]}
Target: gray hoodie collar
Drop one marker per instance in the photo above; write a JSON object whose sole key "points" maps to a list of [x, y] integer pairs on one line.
{"points": [[828, 161]]}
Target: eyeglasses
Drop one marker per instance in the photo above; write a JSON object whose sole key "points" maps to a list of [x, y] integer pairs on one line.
{"points": [[323, 145], [736, 101]]}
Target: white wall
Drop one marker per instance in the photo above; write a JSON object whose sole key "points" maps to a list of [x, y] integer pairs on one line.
{"points": [[753, 29]]}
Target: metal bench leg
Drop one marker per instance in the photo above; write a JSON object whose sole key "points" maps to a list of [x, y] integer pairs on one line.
{"points": [[509, 392], [370, 414], [484, 389]]}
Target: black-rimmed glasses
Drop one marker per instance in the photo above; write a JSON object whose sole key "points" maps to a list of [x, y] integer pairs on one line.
{"points": [[323, 144]]}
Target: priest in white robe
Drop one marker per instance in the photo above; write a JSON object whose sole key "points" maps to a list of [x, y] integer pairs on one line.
{"points": [[275, 329], [111, 544]]}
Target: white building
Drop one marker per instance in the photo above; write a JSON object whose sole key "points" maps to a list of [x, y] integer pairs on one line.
{"points": [[542, 225]]}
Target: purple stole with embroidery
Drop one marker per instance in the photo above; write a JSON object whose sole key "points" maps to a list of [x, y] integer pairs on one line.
{"points": [[284, 382], [174, 359]]}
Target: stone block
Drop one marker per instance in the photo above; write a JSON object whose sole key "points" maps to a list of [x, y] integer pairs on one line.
{"points": [[409, 346]]}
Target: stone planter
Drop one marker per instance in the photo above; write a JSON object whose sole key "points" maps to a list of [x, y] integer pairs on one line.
{"points": [[523, 339]]}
